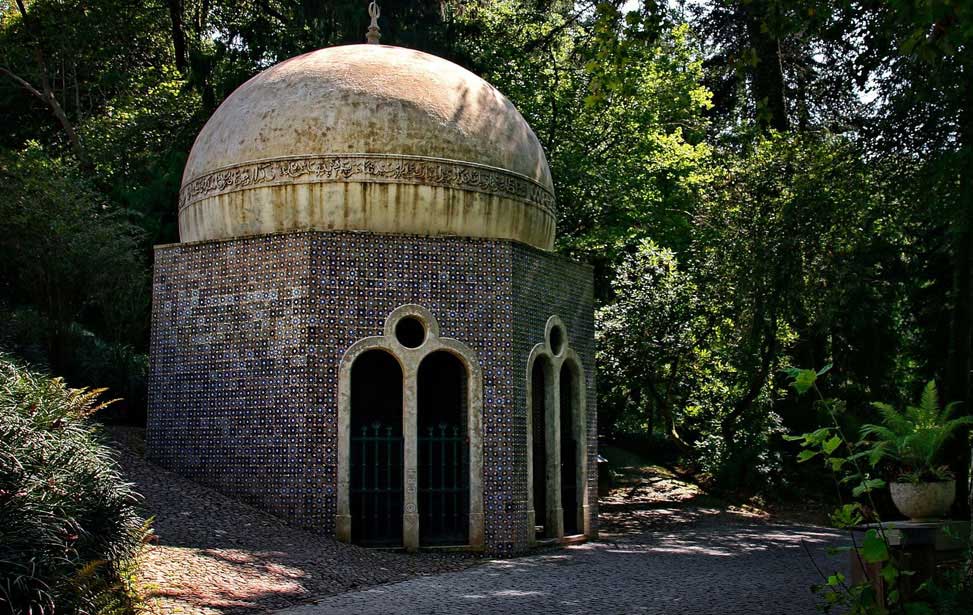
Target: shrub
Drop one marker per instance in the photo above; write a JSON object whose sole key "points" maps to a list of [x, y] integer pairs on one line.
{"points": [[69, 529], [84, 358], [69, 253]]}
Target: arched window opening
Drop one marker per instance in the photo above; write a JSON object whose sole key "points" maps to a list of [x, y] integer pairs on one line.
{"points": [[376, 455], [540, 378], [570, 458], [444, 486]]}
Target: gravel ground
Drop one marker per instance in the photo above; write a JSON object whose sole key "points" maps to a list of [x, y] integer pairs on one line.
{"points": [[215, 555], [665, 547], [739, 568]]}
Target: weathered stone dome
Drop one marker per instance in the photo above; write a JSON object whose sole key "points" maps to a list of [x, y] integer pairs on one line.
{"points": [[372, 138]]}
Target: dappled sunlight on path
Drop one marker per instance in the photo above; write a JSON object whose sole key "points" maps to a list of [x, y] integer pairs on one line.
{"points": [[214, 555], [666, 547]]}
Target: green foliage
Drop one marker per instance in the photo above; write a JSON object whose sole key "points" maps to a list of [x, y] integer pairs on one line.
{"points": [[745, 205], [648, 339], [68, 252], [84, 358], [932, 596], [912, 439], [69, 529]]}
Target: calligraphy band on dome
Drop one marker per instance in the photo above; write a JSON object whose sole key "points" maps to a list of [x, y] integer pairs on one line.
{"points": [[372, 168]]}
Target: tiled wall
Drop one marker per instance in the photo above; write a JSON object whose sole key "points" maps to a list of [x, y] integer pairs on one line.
{"points": [[546, 285], [247, 335]]}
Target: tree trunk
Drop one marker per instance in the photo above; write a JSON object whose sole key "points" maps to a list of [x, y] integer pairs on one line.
{"points": [[767, 77], [178, 34], [958, 364], [46, 93], [665, 412]]}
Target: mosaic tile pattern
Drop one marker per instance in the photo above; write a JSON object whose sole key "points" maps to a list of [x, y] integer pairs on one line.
{"points": [[545, 285], [247, 335]]}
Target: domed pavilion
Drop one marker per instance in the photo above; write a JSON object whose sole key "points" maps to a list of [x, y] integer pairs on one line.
{"points": [[363, 330]]}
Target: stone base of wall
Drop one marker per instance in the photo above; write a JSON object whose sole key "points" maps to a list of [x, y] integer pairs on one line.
{"points": [[247, 336]]}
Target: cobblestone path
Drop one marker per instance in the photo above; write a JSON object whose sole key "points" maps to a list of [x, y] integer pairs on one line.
{"points": [[665, 547], [752, 568], [216, 556]]}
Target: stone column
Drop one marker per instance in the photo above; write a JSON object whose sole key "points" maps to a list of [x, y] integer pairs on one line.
{"points": [[410, 444]]}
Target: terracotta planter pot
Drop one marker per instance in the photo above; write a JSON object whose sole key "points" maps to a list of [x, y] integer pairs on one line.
{"points": [[921, 501]]}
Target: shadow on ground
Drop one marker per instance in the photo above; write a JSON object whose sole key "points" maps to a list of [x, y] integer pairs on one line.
{"points": [[665, 546], [213, 554], [711, 569]]}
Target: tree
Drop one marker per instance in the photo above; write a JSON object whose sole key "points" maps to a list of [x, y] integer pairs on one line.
{"points": [[651, 338], [775, 65], [917, 55], [70, 57], [67, 252]]}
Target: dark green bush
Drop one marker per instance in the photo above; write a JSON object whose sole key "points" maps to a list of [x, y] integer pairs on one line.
{"points": [[84, 358], [69, 254], [69, 529]]}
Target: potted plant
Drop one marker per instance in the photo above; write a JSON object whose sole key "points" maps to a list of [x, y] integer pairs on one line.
{"points": [[909, 442]]}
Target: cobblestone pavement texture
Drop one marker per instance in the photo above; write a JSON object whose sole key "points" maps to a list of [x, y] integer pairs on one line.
{"points": [[739, 568], [215, 555], [665, 547]]}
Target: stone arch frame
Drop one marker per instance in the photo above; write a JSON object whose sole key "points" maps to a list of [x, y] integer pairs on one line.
{"points": [[409, 360], [552, 410]]}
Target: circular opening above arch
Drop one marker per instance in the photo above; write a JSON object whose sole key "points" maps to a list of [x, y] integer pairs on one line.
{"points": [[557, 340], [410, 331]]}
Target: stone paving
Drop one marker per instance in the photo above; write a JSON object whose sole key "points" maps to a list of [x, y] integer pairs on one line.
{"points": [[213, 555], [665, 547], [736, 568]]}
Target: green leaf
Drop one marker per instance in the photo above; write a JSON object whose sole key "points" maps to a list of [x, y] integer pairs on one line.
{"points": [[832, 444], [807, 455], [874, 549], [824, 370], [889, 573], [867, 485], [849, 515], [803, 380], [917, 608]]}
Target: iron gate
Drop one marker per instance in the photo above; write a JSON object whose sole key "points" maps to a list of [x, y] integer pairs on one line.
{"points": [[444, 487], [376, 485], [569, 483]]}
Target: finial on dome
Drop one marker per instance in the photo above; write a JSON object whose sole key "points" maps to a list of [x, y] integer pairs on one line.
{"points": [[373, 34]]}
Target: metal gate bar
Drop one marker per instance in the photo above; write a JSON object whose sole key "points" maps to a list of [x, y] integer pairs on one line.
{"points": [[443, 486], [376, 485]]}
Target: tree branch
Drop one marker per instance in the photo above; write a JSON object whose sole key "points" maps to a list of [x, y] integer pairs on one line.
{"points": [[23, 83], [46, 94]]}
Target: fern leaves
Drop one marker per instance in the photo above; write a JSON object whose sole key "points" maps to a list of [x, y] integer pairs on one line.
{"points": [[914, 437]]}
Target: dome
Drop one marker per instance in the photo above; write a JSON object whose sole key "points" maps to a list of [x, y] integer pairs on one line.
{"points": [[368, 138]]}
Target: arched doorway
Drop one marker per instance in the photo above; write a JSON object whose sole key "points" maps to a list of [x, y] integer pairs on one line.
{"points": [[541, 377], [557, 440], [443, 450], [376, 451], [453, 385]]}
